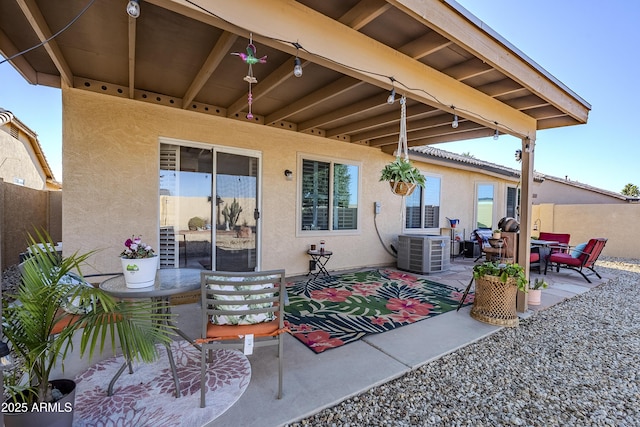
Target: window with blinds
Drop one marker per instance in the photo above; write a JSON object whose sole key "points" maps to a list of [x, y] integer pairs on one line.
{"points": [[422, 207], [329, 195]]}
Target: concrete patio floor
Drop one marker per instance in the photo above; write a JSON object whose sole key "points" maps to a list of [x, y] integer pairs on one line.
{"points": [[313, 382]]}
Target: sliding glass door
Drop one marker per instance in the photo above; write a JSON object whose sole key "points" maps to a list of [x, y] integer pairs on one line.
{"points": [[200, 228]]}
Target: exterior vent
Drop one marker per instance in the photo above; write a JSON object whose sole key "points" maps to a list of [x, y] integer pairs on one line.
{"points": [[423, 254]]}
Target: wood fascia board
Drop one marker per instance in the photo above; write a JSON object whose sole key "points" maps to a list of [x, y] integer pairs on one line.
{"points": [[453, 25], [219, 51], [41, 29], [340, 48], [132, 56]]}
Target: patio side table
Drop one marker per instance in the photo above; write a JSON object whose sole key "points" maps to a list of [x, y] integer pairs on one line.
{"points": [[168, 282], [320, 259]]}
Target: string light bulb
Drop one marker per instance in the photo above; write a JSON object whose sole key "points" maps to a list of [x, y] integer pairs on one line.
{"points": [[133, 8], [297, 67], [392, 96], [496, 135], [454, 123]]}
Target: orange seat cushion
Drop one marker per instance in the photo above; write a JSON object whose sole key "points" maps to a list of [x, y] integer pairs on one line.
{"points": [[233, 331], [65, 321]]}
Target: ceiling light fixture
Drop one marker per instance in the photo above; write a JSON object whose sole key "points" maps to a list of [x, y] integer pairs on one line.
{"points": [[133, 8]]}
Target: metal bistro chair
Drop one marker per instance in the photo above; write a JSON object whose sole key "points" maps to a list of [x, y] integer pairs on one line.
{"points": [[241, 305]]}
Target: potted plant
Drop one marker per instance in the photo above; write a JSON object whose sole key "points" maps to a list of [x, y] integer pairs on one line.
{"points": [[495, 294], [497, 234], [403, 177], [535, 291], [139, 263], [40, 325]]}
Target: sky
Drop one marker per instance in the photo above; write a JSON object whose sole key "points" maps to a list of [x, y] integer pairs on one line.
{"points": [[588, 45]]}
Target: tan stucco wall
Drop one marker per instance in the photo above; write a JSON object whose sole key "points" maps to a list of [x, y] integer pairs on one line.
{"points": [[110, 165], [18, 160], [550, 191], [618, 223]]}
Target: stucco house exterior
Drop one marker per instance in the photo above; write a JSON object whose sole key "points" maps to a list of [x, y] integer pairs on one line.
{"points": [[22, 160], [193, 108]]}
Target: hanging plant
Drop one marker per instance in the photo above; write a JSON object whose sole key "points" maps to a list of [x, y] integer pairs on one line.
{"points": [[403, 177], [401, 174]]}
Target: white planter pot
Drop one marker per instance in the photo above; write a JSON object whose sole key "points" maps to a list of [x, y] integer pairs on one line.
{"points": [[141, 272], [534, 296]]}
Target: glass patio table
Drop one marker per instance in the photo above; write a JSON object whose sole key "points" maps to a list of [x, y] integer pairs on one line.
{"points": [[168, 282]]}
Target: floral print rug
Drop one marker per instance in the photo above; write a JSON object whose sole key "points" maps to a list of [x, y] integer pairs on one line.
{"points": [[147, 397], [338, 310]]}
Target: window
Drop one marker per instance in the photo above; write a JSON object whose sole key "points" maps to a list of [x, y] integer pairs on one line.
{"points": [[422, 208], [513, 202], [484, 206], [329, 196]]}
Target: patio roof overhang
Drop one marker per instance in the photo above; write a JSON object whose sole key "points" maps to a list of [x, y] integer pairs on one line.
{"points": [[178, 53]]}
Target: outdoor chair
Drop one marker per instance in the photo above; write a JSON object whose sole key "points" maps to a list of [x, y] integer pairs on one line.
{"points": [[482, 236], [579, 258], [534, 259], [239, 308]]}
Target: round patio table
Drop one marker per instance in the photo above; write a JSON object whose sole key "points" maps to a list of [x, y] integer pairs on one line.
{"points": [[168, 282]]}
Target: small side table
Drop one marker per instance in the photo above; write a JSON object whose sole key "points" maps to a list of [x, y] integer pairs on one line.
{"points": [[320, 258]]}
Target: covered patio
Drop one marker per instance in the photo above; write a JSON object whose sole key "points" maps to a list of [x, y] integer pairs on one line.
{"points": [[461, 80], [316, 381]]}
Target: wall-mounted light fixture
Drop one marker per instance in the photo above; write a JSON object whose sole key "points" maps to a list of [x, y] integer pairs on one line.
{"points": [[133, 8], [288, 174]]}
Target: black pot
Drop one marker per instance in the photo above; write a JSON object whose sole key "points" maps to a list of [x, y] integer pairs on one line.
{"points": [[57, 414]]}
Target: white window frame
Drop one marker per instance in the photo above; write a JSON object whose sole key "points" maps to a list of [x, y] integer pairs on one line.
{"points": [[429, 230], [331, 160]]}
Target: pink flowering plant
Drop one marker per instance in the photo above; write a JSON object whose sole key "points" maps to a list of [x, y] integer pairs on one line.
{"points": [[135, 248]]}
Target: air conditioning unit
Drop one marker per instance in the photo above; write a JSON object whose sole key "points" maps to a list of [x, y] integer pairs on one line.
{"points": [[423, 253]]}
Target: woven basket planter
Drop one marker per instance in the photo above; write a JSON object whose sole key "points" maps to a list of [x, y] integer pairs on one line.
{"points": [[495, 302], [402, 188]]}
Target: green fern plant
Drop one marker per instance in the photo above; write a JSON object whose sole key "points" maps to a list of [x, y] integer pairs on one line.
{"points": [[402, 170]]}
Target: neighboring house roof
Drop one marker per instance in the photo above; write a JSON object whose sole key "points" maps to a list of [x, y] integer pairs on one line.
{"points": [[437, 156], [8, 119]]}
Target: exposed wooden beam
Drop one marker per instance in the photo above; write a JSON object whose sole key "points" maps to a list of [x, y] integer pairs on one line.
{"points": [[426, 45], [501, 88], [454, 25], [39, 25], [369, 104], [363, 13], [468, 69], [412, 126], [357, 128], [434, 131], [343, 84], [527, 102], [8, 49], [264, 86], [212, 62]]}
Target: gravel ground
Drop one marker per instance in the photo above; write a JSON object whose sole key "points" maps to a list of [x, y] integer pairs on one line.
{"points": [[574, 364]]}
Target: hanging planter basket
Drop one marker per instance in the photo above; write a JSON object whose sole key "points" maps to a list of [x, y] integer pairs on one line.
{"points": [[401, 175], [400, 188]]}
